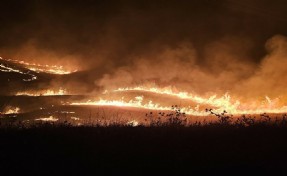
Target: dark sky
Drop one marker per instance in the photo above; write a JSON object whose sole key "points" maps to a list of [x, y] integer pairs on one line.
{"points": [[81, 27], [108, 35]]}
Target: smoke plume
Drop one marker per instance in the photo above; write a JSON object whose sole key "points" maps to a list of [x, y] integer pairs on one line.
{"points": [[202, 46]]}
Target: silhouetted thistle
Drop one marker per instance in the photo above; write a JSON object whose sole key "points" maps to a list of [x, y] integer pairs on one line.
{"points": [[245, 121], [223, 118], [174, 118]]}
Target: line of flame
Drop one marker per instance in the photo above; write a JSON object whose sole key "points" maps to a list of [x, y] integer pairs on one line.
{"points": [[4, 68], [138, 103], [48, 119], [224, 103], [52, 69]]}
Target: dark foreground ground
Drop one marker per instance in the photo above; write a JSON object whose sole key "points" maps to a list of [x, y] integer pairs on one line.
{"points": [[214, 150]]}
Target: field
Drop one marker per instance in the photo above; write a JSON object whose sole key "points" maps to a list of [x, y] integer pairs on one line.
{"points": [[211, 149]]}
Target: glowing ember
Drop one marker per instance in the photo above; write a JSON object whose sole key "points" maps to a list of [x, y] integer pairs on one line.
{"points": [[67, 112], [44, 93], [133, 123], [11, 110], [48, 119], [75, 118]]}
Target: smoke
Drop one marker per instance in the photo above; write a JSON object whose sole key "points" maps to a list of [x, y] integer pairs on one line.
{"points": [[225, 64], [32, 53], [270, 76], [200, 46], [227, 67]]}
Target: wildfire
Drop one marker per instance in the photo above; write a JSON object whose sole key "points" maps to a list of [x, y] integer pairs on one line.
{"points": [[75, 118], [219, 104], [61, 91], [232, 105]]}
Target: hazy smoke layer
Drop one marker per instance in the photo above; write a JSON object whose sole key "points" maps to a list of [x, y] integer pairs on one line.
{"points": [[201, 46]]}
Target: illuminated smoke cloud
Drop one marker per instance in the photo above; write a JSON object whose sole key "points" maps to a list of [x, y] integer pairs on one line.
{"points": [[201, 46]]}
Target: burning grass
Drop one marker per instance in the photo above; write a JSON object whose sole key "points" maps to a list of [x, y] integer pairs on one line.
{"points": [[192, 104]]}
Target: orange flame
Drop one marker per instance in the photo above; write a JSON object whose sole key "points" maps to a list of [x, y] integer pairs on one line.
{"points": [[48, 119], [12, 110], [231, 105]]}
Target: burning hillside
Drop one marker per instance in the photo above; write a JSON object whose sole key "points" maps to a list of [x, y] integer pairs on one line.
{"points": [[147, 58], [143, 98]]}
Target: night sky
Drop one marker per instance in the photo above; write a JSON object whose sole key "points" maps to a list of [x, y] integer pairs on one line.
{"points": [[200, 45]]}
